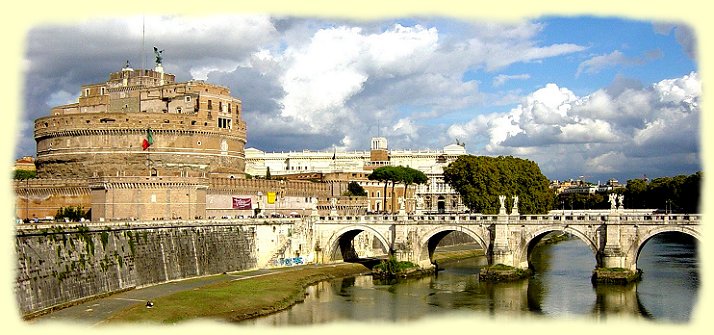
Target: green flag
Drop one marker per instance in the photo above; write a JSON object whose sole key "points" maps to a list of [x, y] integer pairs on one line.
{"points": [[149, 136]]}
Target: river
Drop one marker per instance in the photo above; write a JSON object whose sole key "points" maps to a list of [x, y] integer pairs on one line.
{"points": [[560, 287]]}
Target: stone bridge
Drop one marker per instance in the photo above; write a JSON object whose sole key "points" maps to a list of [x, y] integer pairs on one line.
{"points": [[614, 236]]}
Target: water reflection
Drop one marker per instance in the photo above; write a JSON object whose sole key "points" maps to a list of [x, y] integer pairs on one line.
{"points": [[560, 287]]}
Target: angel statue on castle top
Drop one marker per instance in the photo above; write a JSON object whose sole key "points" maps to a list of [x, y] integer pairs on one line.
{"points": [[157, 53]]}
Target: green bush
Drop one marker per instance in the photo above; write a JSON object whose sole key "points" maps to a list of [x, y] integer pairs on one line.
{"points": [[391, 267]]}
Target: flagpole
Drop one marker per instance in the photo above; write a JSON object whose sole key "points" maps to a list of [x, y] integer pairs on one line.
{"points": [[148, 152]]}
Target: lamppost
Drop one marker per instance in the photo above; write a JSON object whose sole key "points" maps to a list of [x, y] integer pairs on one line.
{"points": [[188, 203], [668, 206]]}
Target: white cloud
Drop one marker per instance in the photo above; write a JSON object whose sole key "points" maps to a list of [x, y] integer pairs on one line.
{"points": [[609, 162], [322, 76], [598, 133], [687, 89], [501, 79], [615, 58], [62, 97]]}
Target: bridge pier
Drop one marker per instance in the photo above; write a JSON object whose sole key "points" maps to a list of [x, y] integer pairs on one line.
{"points": [[614, 263], [501, 251], [611, 255]]}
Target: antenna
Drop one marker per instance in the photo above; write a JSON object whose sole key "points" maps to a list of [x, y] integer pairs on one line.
{"points": [[143, 50]]}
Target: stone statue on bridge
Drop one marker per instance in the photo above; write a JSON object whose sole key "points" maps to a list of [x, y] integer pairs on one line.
{"points": [[502, 200], [514, 209], [419, 202], [621, 201], [612, 197], [419, 205]]}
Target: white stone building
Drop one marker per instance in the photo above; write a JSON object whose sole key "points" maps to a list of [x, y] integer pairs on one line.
{"points": [[436, 196]]}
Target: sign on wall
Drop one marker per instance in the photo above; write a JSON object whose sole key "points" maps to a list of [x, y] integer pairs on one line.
{"points": [[271, 197], [241, 203]]}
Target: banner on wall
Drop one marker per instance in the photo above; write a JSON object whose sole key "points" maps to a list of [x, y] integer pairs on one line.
{"points": [[271, 197], [241, 203]]}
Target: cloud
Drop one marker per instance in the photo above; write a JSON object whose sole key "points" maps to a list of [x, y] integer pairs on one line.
{"points": [[62, 97], [598, 133], [501, 79], [684, 35], [613, 59]]}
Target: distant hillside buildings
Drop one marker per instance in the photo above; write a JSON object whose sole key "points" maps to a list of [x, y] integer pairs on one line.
{"points": [[582, 187]]}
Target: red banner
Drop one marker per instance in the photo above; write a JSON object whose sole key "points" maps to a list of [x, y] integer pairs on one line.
{"points": [[241, 203]]}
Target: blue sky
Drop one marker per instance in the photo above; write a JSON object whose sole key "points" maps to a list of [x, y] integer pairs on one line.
{"points": [[581, 96]]}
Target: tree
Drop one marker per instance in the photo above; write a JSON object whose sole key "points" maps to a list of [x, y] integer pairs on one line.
{"points": [[691, 193], [385, 174], [24, 174], [73, 214], [635, 192], [408, 176], [267, 173], [583, 201], [354, 189], [673, 194], [480, 180]]}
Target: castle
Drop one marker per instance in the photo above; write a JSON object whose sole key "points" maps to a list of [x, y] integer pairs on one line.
{"points": [[142, 146]]}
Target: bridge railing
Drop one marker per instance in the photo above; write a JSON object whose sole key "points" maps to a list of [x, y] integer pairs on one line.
{"points": [[524, 219], [49, 225], [664, 218]]}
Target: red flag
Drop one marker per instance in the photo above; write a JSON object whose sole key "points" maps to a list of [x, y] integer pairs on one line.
{"points": [[149, 140]]}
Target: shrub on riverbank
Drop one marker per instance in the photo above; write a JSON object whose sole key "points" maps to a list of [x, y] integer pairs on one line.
{"points": [[392, 268]]}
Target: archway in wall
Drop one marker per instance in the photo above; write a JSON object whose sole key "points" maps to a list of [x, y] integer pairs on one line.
{"points": [[441, 205], [561, 261], [450, 242], [669, 287], [553, 235], [358, 245]]}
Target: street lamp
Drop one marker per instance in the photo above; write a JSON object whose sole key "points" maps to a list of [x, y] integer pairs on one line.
{"points": [[188, 203]]}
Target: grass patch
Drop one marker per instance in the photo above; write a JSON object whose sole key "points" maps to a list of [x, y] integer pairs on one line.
{"points": [[238, 299], [502, 273]]}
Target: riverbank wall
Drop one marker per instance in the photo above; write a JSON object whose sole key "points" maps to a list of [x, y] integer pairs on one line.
{"points": [[65, 264]]}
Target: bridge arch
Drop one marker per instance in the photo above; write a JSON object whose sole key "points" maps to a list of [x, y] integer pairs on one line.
{"points": [[429, 241], [339, 239], [636, 249], [522, 254]]}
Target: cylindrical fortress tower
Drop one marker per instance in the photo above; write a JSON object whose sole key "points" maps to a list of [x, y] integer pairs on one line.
{"points": [[195, 130]]}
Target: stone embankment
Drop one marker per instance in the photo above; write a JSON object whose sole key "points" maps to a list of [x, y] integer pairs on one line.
{"points": [[59, 266]]}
